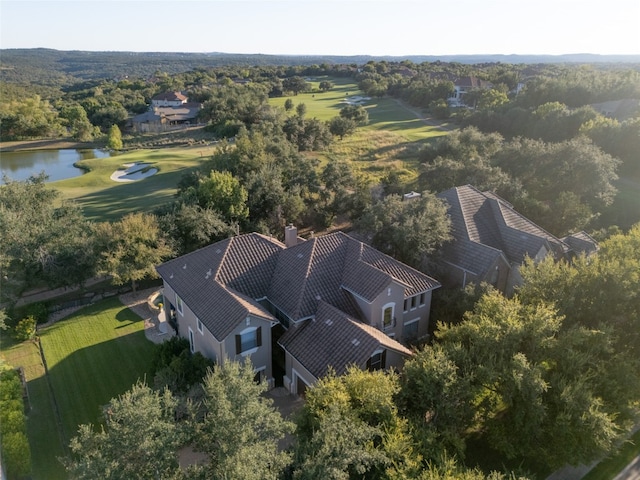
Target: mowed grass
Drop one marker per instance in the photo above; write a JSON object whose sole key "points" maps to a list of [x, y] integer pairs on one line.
{"points": [[612, 466], [104, 199], [92, 357], [385, 114], [42, 429]]}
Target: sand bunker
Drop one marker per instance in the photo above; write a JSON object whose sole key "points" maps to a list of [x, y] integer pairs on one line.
{"points": [[133, 172]]}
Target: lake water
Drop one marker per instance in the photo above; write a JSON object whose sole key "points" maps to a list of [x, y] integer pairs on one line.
{"points": [[58, 164]]}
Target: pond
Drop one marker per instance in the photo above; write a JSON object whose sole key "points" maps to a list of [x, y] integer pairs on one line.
{"points": [[58, 164]]}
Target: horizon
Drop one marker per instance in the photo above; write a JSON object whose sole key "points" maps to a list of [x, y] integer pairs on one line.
{"points": [[381, 28]]}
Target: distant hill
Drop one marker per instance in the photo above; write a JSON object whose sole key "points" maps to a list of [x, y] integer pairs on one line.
{"points": [[56, 66]]}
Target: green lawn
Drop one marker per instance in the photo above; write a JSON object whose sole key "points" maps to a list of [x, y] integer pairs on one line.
{"points": [[104, 199], [385, 114], [610, 467], [92, 356], [42, 429]]}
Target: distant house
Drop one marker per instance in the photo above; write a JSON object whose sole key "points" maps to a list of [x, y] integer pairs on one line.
{"points": [[462, 86], [619, 109], [168, 111], [169, 99], [297, 308], [491, 240]]}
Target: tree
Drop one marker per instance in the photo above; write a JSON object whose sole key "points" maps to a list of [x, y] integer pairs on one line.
{"points": [[350, 427], [239, 424], [596, 291], [189, 227], [78, 124], [139, 439], [301, 110], [288, 104], [222, 192], [130, 248], [341, 126], [295, 84], [114, 141], [539, 390], [357, 113], [44, 238], [325, 85], [409, 231]]}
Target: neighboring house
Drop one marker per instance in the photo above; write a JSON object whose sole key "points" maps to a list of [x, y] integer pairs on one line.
{"points": [[169, 99], [462, 86], [618, 109], [297, 308], [491, 240], [168, 111]]}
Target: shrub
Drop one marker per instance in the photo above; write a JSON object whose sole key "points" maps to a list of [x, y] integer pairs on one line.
{"points": [[16, 454], [26, 329], [37, 310]]}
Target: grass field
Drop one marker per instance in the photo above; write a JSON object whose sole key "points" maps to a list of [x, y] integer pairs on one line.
{"points": [[609, 468], [104, 199], [44, 437], [92, 357]]}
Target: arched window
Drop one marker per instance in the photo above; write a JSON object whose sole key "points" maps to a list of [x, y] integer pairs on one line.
{"points": [[388, 320]]}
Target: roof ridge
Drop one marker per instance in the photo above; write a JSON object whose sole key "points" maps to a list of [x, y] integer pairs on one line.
{"points": [[222, 261], [314, 242]]}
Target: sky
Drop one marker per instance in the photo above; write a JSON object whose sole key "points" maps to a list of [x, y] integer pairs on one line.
{"points": [[327, 27]]}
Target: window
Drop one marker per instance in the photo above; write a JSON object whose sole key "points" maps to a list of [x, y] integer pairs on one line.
{"points": [[248, 340], [414, 299], [411, 330], [179, 304], [387, 316], [200, 329], [192, 346], [406, 305], [422, 298], [377, 360]]}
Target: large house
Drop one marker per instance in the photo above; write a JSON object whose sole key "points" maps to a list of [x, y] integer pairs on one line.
{"points": [[491, 240], [462, 86], [168, 111], [298, 308]]}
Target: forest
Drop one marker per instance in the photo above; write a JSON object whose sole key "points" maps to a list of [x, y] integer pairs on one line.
{"points": [[546, 378]]}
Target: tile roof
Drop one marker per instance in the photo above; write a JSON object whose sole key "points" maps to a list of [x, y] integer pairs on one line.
{"points": [[221, 282], [485, 219], [171, 97], [318, 269], [581, 242], [334, 339]]}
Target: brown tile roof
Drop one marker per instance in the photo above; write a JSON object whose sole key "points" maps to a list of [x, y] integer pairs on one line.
{"points": [[171, 97], [472, 82], [221, 282], [484, 225], [334, 339], [581, 242], [320, 268]]}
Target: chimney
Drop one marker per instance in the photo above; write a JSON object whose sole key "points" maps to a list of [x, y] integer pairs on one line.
{"points": [[290, 236]]}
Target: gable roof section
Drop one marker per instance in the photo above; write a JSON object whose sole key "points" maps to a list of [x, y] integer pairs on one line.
{"points": [[218, 284], [581, 242], [334, 339], [170, 97], [483, 218], [317, 270]]}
